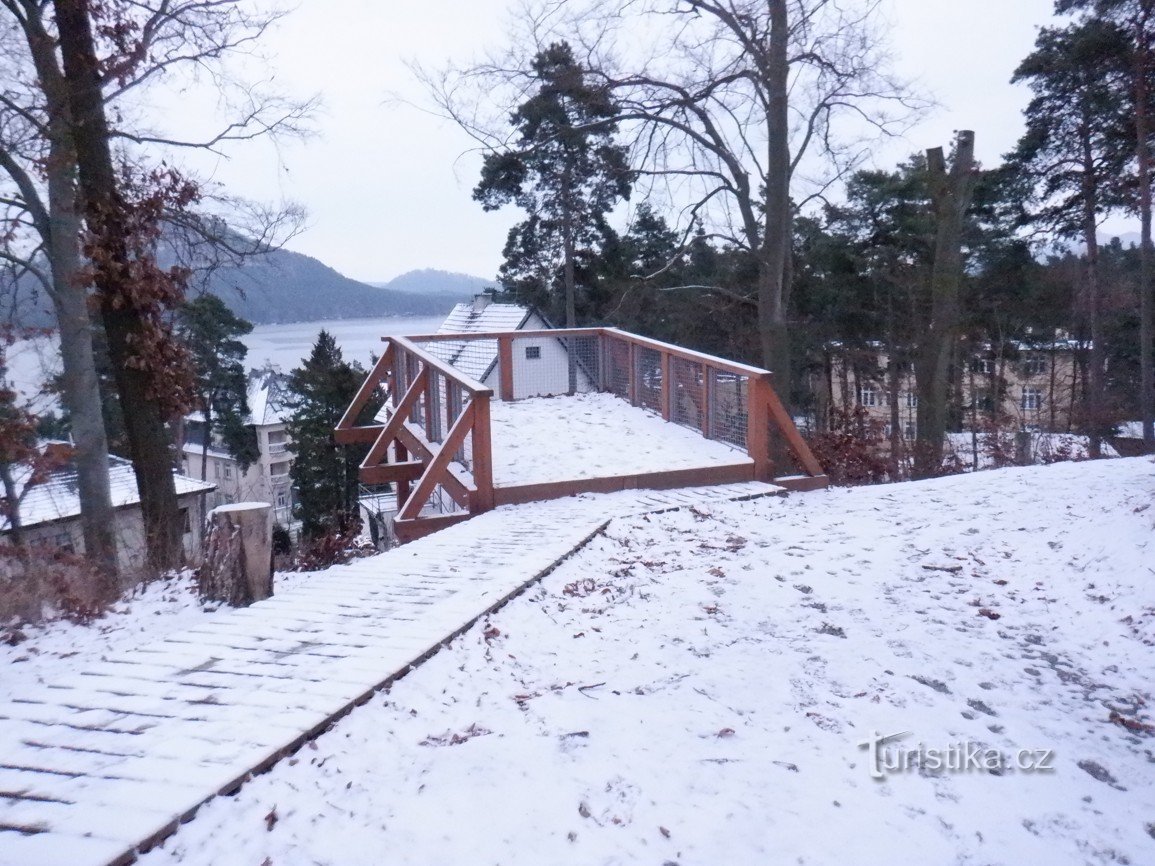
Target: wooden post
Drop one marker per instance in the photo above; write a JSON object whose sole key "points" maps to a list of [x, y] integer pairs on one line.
{"points": [[238, 561], [667, 395], [707, 396], [505, 367], [633, 387], [482, 456], [758, 427]]}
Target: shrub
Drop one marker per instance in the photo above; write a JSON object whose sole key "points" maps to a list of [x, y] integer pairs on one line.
{"points": [[38, 584]]}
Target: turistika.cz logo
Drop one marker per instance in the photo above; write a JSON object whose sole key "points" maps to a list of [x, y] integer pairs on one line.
{"points": [[962, 757]]}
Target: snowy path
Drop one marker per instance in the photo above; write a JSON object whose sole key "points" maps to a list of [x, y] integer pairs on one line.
{"points": [[116, 751]]}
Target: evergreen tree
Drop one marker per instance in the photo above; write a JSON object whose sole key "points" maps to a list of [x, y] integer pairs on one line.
{"points": [[324, 473], [566, 172], [210, 330]]}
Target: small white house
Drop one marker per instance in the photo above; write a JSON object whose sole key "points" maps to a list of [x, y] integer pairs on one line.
{"points": [[49, 509], [540, 364], [266, 480]]}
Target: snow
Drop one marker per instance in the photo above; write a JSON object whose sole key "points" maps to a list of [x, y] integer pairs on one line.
{"points": [[1045, 448], [692, 688], [592, 435], [476, 358], [49, 652]]}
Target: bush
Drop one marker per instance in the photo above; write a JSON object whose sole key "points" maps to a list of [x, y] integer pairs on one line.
{"points": [[331, 548], [854, 450], [38, 584]]}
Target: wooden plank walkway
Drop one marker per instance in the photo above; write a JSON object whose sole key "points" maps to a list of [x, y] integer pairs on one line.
{"points": [[107, 762]]}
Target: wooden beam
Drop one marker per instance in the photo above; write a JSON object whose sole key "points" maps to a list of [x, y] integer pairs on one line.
{"points": [[667, 393], [376, 377], [802, 483], [785, 425], [758, 426], [482, 499], [411, 530], [388, 433], [435, 468], [358, 435], [730, 473], [505, 366], [389, 473]]}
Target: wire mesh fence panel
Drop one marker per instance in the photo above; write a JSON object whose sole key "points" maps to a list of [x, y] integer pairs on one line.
{"points": [[475, 359], [616, 360], [686, 400], [728, 407], [648, 378], [550, 366], [437, 409]]}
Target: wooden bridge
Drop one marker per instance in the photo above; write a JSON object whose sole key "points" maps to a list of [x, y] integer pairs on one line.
{"points": [[433, 439]]}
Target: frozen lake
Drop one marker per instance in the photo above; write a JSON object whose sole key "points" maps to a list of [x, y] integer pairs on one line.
{"points": [[31, 363], [287, 345]]}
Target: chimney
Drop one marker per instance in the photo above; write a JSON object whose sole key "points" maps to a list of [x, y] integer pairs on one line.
{"points": [[480, 302]]}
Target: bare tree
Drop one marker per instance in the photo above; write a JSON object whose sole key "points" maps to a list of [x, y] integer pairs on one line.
{"points": [[950, 191], [742, 112], [151, 41]]}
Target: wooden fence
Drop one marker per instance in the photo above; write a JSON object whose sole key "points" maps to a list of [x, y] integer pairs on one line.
{"points": [[433, 436]]}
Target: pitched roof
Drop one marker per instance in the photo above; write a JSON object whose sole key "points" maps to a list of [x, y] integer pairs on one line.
{"points": [[476, 358], [57, 497], [266, 403]]}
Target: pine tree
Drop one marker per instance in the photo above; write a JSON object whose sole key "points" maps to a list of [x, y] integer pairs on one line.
{"points": [[566, 171], [210, 330], [324, 473]]}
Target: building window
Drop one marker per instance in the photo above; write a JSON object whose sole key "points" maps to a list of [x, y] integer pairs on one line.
{"points": [[983, 401], [985, 366], [532, 353], [911, 400], [278, 470], [1032, 399], [867, 396], [1034, 365], [282, 499], [909, 430], [228, 471]]}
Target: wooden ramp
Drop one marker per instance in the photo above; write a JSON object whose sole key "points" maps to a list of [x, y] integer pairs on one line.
{"points": [[106, 763]]}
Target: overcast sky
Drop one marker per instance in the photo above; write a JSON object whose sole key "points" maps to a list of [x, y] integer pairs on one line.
{"points": [[385, 185]]}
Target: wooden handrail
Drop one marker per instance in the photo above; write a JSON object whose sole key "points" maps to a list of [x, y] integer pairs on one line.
{"points": [[443, 367]]}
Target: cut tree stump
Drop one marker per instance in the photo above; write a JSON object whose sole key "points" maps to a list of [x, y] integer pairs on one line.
{"points": [[237, 567]]}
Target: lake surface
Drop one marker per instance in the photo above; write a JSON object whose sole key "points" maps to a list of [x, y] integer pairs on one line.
{"points": [[31, 363], [287, 345]]}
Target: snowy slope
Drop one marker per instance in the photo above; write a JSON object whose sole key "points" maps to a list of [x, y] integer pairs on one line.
{"points": [[692, 688]]}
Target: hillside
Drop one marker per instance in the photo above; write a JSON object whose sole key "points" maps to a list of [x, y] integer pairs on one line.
{"points": [[428, 281], [290, 287], [695, 687]]}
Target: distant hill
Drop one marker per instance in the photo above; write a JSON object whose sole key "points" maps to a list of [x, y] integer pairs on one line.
{"points": [[284, 286], [428, 281]]}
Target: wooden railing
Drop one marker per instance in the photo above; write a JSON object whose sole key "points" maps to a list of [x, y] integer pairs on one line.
{"points": [[435, 430]]}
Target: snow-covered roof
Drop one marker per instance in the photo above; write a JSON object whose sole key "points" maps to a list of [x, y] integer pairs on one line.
{"points": [[265, 397], [477, 358], [57, 498]]}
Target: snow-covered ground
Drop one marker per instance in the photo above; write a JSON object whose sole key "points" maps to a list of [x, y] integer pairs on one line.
{"points": [[38, 655], [592, 436], [1045, 448], [693, 688]]}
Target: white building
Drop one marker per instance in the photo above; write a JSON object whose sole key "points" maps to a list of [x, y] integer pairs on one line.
{"points": [[49, 509], [266, 480], [540, 365]]}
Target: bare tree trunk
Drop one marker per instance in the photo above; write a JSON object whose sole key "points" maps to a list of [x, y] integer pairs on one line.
{"points": [[1143, 156], [11, 494], [772, 314], [1094, 404], [144, 424], [59, 227], [950, 195]]}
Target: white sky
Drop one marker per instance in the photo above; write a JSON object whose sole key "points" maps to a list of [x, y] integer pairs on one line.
{"points": [[385, 185]]}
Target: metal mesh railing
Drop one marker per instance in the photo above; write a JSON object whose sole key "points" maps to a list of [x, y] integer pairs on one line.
{"points": [[547, 366], [648, 378], [728, 407], [616, 367], [687, 401]]}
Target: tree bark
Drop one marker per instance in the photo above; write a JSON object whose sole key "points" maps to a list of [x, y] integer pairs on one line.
{"points": [[772, 314], [237, 567], [1143, 157], [59, 227], [950, 195], [104, 207]]}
